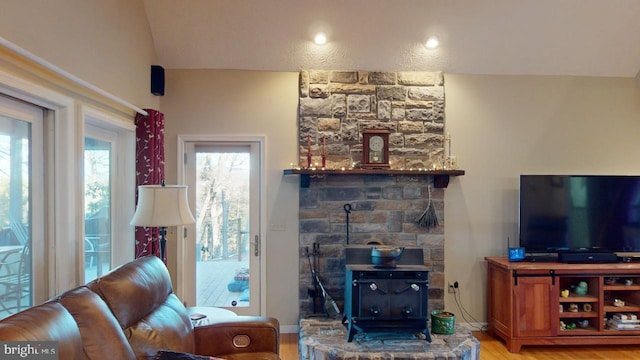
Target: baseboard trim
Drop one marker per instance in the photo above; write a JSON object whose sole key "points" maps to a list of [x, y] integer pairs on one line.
{"points": [[475, 326], [288, 329]]}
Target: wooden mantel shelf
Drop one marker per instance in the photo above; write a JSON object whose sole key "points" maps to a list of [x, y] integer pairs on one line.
{"points": [[440, 177]]}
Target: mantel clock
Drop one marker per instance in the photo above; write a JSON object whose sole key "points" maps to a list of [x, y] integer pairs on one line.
{"points": [[375, 149]]}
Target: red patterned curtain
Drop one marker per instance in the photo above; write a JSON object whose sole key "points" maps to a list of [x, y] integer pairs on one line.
{"points": [[149, 171]]}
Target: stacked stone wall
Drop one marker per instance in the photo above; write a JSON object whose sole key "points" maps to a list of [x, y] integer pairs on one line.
{"points": [[337, 106]]}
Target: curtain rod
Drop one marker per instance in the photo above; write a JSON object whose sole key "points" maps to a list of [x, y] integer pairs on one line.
{"points": [[17, 49]]}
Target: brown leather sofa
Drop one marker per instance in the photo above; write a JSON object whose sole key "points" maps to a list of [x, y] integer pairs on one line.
{"points": [[132, 313]]}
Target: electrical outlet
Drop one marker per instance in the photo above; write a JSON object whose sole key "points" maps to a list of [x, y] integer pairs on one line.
{"points": [[452, 289]]}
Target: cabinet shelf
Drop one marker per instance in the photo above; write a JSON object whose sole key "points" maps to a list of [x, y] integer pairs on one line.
{"points": [[622, 332], [622, 287], [619, 309], [579, 331], [440, 177], [579, 314], [578, 299]]}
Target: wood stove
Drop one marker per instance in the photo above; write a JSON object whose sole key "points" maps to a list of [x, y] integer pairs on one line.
{"points": [[386, 299]]}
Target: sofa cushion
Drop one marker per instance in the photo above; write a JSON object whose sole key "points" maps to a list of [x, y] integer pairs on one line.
{"points": [[146, 280], [141, 298], [101, 334], [47, 322], [164, 328]]}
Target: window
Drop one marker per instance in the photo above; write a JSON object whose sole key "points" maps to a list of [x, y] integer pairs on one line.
{"points": [[108, 185], [97, 206], [21, 225]]}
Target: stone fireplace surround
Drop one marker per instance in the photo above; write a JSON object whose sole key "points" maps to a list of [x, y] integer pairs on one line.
{"points": [[335, 107]]}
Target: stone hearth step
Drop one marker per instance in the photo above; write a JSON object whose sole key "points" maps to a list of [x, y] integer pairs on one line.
{"points": [[325, 339]]}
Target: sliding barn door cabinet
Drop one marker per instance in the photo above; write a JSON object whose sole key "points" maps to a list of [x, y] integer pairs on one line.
{"points": [[563, 304]]}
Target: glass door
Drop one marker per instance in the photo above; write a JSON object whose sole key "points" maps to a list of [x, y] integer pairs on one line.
{"points": [[224, 182]]}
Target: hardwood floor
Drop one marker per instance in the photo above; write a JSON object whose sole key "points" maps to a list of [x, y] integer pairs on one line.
{"points": [[493, 349], [289, 346]]}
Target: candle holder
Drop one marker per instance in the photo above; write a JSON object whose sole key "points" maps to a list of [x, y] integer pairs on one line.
{"points": [[452, 162], [324, 151], [308, 151]]}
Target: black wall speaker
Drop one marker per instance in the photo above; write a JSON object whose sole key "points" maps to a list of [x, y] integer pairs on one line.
{"points": [[157, 80]]}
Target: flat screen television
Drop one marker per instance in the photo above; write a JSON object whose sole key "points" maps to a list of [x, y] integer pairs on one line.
{"points": [[576, 213]]}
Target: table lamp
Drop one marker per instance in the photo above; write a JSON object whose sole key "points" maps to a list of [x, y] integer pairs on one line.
{"points": [[162, 206]]}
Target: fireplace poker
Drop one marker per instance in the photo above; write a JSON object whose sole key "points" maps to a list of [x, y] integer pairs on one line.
{"points": [[314, 290], [347, 209], [330, 306]]}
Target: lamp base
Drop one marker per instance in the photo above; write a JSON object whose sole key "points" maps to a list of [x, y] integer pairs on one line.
{"points": [[163, 244]]}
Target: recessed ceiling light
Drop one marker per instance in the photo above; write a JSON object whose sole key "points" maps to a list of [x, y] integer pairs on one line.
{"points": [[320, 38], [432, 42]]}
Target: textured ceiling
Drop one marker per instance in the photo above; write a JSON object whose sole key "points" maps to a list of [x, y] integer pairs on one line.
{"points": [[537, 37]]}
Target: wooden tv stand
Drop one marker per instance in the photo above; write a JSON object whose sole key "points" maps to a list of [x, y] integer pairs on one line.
{"points": [[524, 300]]}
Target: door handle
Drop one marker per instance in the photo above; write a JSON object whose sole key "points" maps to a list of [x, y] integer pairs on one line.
{"points": [[256, 246]]}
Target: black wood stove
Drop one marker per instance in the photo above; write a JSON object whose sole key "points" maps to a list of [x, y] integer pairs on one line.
{"points": [[391, 299]]}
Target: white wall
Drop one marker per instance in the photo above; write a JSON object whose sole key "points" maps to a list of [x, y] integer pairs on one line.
{"points": [[504, 126], [247, 103], [107, 43]]}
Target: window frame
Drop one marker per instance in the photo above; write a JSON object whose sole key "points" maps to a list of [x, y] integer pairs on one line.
{"points": [[60, 158], [63, 179]]}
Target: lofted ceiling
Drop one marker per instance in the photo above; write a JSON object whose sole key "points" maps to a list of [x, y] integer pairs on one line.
{"points": [[524, 37]]}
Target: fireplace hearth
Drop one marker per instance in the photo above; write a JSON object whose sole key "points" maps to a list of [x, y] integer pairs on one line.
{"points": [[386, 299], [383, 208], [322, 338]]}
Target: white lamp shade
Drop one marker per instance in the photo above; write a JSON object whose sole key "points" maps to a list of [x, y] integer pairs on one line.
{"points": [[162, 206]]}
